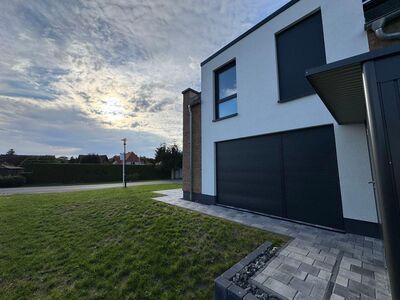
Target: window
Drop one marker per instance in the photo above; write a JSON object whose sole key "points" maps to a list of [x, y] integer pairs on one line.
{"points": [[225, 91], [300, 47]]}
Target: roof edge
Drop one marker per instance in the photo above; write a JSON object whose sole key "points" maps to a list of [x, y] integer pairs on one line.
{"points": [[357, 59], [246, 33], [190, 90]]}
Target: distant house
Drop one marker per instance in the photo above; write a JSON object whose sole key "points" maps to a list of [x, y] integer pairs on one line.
{"points": [[6, 170], [116, 160], [131, 159]]}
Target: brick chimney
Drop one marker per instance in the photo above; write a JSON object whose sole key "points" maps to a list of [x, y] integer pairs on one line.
{"points": [[191, 102]]}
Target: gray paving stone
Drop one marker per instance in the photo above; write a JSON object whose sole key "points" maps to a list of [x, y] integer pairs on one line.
{"points": [[324, 275], [345, 292], [375, 283], [330, 260], [336, 297], [362, 271], [365, 297], [316, 256], [301, 296], [280, 288], [291, 261], [317, 282], [288, 269], [278, 275], [323, 265], [350, 275], [260, 278], [317, 293], [297, 250], [352, 261], [301, 258], [360, 288], [382, 295], [342, 280], [275, 262], [309, 269], [375, 268], [345, 265], [301, 285]]}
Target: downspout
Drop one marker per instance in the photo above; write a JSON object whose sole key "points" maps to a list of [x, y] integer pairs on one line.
{"points": [[378, 27], [191, 152]]}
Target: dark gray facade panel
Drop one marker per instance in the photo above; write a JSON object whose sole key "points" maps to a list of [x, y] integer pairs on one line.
{"points": [[249, 170], [311, 177], [299, 48], [291, 175], [363, 228], [377, 9], [383, 108], [200, 198]]}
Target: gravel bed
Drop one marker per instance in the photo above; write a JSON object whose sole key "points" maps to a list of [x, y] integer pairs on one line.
{"points": [[242, 277]]}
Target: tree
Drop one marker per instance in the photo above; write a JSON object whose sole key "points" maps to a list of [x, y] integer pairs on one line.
{"points": [[91, 158], [169, 157], [11, 152]]}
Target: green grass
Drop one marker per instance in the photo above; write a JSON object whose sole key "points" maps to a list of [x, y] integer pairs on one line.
{"points": [[114, 244]]}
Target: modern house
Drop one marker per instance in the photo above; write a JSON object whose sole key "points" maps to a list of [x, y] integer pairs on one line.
{"points": [[260, 136], [264, 137]]}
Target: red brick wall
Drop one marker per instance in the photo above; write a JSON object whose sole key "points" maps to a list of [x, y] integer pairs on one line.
{"points": [[188, 97]]}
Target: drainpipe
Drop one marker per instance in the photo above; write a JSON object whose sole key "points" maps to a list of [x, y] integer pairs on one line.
{"points": [[191, 152], [378, 27]]}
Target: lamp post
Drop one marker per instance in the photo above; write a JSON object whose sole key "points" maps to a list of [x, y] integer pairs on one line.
{"points": [[123, 163]]}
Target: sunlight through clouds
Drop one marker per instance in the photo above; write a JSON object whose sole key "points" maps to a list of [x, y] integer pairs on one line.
{"points": [[76, 76]]}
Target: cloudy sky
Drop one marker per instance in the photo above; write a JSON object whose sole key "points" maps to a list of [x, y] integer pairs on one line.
{"points": [[77, 76]]}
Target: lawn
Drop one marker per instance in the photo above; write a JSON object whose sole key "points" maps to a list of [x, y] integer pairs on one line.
{"points": [[114, 244]]}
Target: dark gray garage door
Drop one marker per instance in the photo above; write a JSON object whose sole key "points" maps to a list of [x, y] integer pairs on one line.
{"points": [[291, 174]]}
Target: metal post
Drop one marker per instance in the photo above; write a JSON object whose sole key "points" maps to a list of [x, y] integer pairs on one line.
{"points": [[123, 164]]}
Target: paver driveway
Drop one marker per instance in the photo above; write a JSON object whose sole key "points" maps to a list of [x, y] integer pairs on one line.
{"points": [[316, 264]]}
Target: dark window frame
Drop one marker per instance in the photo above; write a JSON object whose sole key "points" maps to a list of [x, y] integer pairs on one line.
{"points": [[217, 100], [311, 14]]}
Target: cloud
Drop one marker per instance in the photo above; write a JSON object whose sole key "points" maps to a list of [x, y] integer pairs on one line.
{"points": [[76, 75]]}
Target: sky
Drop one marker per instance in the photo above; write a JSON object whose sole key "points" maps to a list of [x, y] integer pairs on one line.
{"points": [[77, 76]]}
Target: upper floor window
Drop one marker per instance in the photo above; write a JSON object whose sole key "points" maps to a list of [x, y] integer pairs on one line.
{"points": [[300, 47], [225, 91]]}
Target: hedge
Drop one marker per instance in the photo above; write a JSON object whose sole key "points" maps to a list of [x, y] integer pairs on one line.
{"points": [[40, 173], [12, 181]]}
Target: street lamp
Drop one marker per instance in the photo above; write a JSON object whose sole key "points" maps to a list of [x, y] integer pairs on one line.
{"points": [[123, 163]]}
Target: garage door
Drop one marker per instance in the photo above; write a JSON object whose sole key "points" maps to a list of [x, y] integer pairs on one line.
{"points": [[291, 174]]}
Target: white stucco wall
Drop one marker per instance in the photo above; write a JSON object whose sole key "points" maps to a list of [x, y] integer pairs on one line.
{"points": [[260, 113]]}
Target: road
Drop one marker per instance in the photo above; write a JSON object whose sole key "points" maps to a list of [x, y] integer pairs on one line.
{"points": [[74, 188]]}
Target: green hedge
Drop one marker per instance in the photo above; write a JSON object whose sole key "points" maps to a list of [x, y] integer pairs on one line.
{"points": [[12, 181], [86, 173]]}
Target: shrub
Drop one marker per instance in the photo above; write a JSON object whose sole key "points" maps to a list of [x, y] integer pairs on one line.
{"points": [[12, 181], [132, 177], [85, 173]]}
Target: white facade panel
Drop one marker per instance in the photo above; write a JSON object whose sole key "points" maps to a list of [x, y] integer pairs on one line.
{"points": [[259, 111]]}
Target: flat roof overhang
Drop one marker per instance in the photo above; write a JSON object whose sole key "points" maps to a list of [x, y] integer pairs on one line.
{"points": [[340, 85]]}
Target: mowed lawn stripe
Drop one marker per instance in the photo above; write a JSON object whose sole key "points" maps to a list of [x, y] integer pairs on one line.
{"points": [[114, 244]]}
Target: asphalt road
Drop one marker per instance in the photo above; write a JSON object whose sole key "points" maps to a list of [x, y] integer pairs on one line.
{"points": [[74, 188]]}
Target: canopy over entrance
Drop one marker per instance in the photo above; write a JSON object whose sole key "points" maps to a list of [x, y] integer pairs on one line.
{"points": [[340, 85]]}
